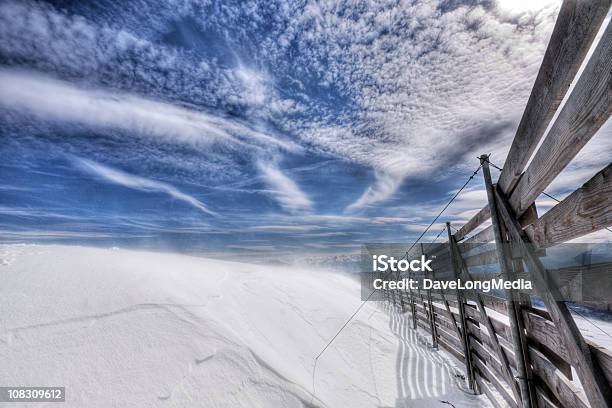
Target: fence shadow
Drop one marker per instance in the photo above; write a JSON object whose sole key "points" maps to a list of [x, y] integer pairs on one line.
{"points": [[424, 378]]}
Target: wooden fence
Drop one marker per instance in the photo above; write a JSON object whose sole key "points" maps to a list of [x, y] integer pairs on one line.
{"points": [[532, 356]]}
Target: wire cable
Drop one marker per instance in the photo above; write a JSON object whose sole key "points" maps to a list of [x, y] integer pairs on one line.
{"points": [[543, 192], [446, 206], [588, 320], [558, 201], [372, 293]]}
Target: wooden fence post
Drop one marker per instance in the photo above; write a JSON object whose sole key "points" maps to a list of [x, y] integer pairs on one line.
{"points": [[469, 366], [432, 315], [593, 380], [503, 258], [490, 329], [412, 304]]}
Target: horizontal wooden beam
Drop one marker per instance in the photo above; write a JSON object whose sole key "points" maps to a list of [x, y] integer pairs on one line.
{"points": [[576, 27], [488, 357], [480, 217], [483, 337], [586, 210], [482, 237], [598, 391], [566, 392], [588, 107], [486, 321], [544, 332], [483, 258], [498, 383], [449, 347], [544, 401], [487, 387]]}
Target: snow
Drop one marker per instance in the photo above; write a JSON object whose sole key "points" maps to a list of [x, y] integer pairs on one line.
{"points": [[140, 329]]}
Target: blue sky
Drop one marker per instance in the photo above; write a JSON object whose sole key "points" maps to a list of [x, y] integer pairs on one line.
{"points": [[260, 126]]}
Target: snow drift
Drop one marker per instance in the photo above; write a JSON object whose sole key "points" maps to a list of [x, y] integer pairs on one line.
{"points": [[124, 328]]}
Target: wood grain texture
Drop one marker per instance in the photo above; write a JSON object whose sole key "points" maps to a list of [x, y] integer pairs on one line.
{"points": [[483, 337], [544, 332], [489, 359], [566, 392], [483, 258], [598, 391], [480, 217], [543, 400], [586, 210], [588, 107], [501, 328], [487, 387], [574, 32], [494, 341], [482, 237], [499, 385], [450, 348]]}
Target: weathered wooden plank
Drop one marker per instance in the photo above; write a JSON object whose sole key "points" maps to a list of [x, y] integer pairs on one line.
{"points": [[438, 248], [544, 332], [604, 356], [480, 217], [590, 284], [423, 324], [529, 216], [447, 346], [494, 340], [487, 387], [493, 379], [461, 306], [441, 312], [566, 392], [494, 303], [586, 210], [482, 237], [450, 338], [441, 296], [485, 355], [588, 107], [543, 400], [484, 338], [516, 336], [598, 391], [576, 27], [483, 258], [501, 328]]}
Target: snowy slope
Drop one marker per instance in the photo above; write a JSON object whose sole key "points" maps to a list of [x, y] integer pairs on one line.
{"points": [[135, 329]]}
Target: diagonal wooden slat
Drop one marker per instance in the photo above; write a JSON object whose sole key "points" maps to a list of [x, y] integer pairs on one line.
{"points": [[576, 27], [480, 217], [588, 107], [591, 375], [586, 210], [463, 270]]}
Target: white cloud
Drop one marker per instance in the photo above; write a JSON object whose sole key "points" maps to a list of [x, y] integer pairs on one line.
{"points": [[434, 85], [422, 86], [385, 186], [139, 183], [58, 100], [284, 190], [283, 228]]}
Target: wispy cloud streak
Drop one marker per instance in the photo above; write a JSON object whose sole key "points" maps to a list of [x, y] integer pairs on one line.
{"points": [[58, 100], [284, 190], [139, 183]]}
